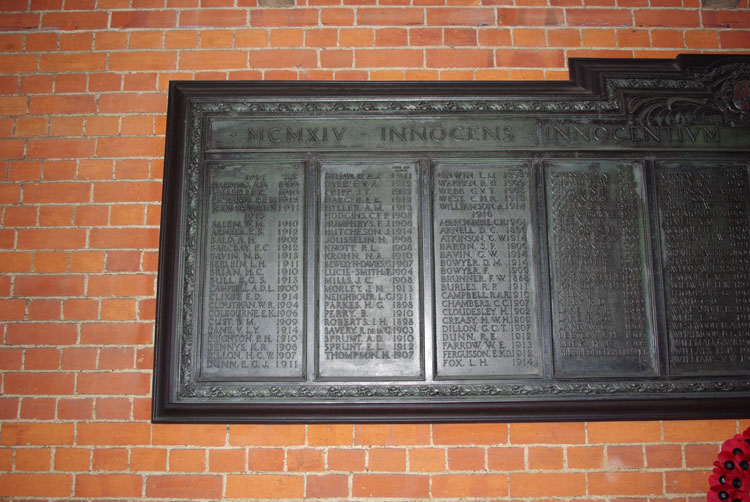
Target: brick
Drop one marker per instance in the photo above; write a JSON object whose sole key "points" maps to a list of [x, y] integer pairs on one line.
{"points": [[304, 460], [121, 285], [42, 359], [108, 485], [667, 38], [283, 58], [80, 309], [461, 16], [21, 63], [696, 455], [126, 147], [469, 434], [9, 407], [39, 383], [12, 310], [251, 38], [227, 460], [55, 148], [18, 216], [75, 61], [72, 459], [614, 432], [25, 434], [336, 17], [383, 16], [734, 39], [624, 483], [466, 459], [50, 238], [42, 193], [143, 19], [117, 333], [703, 39], [391, 435], [86, 261], [327, 486], [346, 460], [724, 19], [24, 170], [124, 238], [386, 485], [12, 149], [460, 36], [30, 127], [78, 358], [283, 17], [381, 58], [182, 460], [12, 105], [139, 191], [505, 459], [266, 435], [470, 485], [387, 460], [123, 261], [514, 17], [459, 58], [216, 38], [543, 58], [148, 459], [75, 409], [210, 17], [118, 310], [287, 37], [184, 486], [189, 435], [113, 433], [544, 457], [13, 262], [229, 59], [266, 459], [55, 216], [624, 457], [264, 486], [600, 17], [109, 459], [142, 60], [329, 435], [699, 430], [685, 481], [667, 17], [19, 21], [46, 310], [548, 485], [36, 485], [547, 433], [114, 383], [585, 457], [116, 357]]}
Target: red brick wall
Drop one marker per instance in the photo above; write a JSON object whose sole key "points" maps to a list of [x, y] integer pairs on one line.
{"points": [[82, 114]]}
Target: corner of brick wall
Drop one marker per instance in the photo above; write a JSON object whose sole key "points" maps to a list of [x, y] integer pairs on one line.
{"points": [[82, 118]]}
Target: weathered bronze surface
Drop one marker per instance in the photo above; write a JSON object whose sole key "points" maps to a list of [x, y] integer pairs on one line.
{"points": [[337, 252]]}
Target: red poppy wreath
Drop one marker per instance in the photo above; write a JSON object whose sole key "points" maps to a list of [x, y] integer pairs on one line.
{"points": [[730, 481]]}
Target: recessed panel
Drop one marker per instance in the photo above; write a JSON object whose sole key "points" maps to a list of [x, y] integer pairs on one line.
{"points": [[485, 293], [704, 227], [253, 300], [601, 307], [368, 272]]}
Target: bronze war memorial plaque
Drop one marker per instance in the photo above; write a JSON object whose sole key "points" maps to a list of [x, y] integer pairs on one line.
{"points": [[458, 252]]}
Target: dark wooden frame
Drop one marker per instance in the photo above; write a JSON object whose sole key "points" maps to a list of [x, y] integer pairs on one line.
{"points": [[594, 83]]}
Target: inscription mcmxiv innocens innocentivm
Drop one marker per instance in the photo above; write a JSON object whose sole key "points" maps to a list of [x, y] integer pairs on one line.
{"points": [[458, 251]]}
